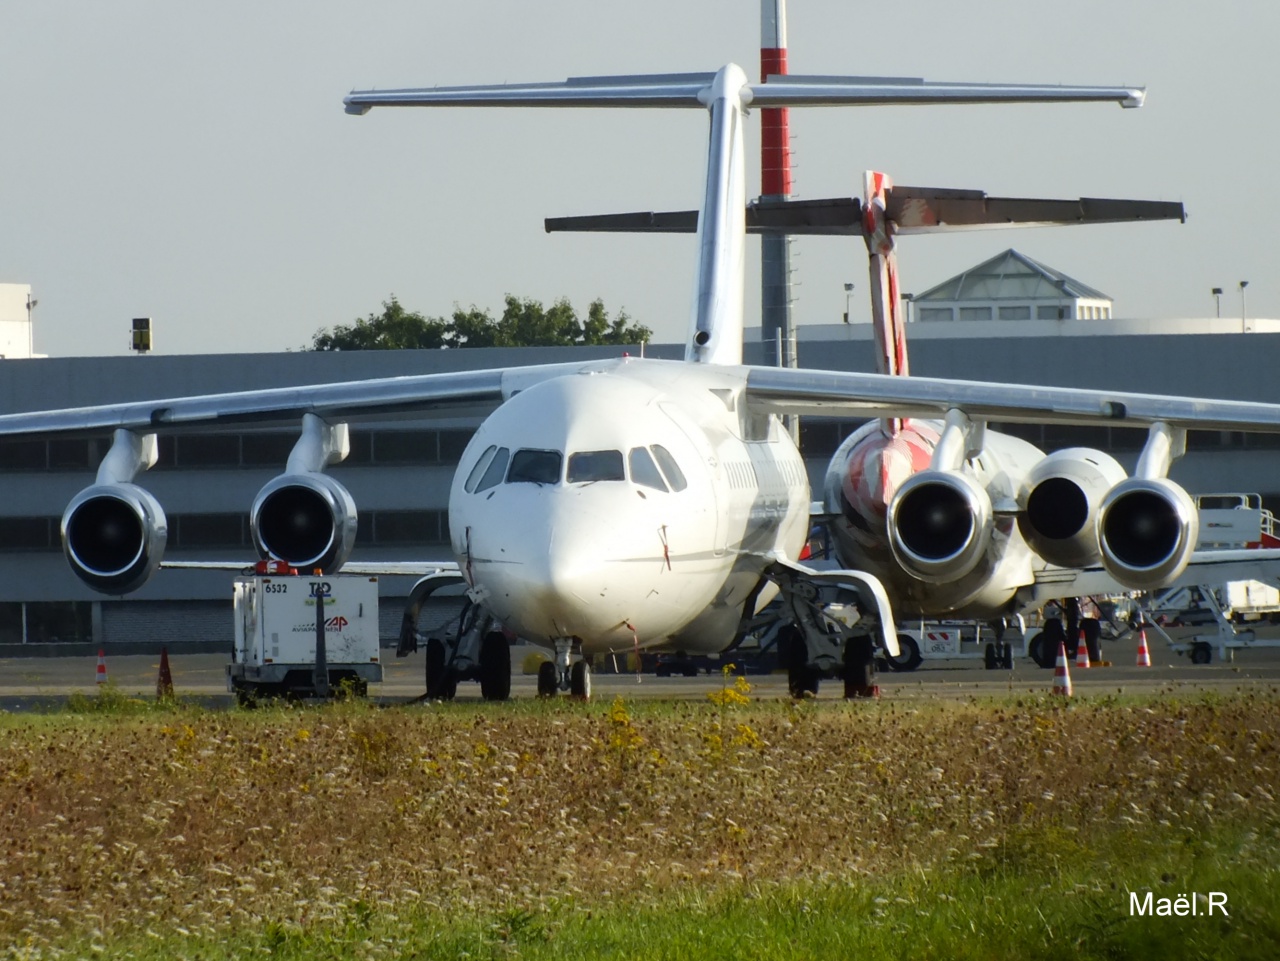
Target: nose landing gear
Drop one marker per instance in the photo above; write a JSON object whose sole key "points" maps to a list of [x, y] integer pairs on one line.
{"points": [[565, 673]]}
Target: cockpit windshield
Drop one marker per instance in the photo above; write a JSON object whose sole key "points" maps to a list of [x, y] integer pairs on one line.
{"points": [[595, 465], [535, 467], [644, 471], [489, 469]]}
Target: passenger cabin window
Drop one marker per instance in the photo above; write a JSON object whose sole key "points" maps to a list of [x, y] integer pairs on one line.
{"points": [[595, 465], [669, 467], [643, 470], [492, 475], [535, 467], [474, 477]]}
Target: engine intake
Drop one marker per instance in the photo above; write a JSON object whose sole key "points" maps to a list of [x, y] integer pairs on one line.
{"points": [[1061, 499], [1148, 530], [307, 520], [114, 536], [939, 525]]}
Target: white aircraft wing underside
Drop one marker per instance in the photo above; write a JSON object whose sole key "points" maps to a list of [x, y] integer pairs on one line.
{"points": [[368, 568], [421, 394], [831, 393], [1205, 567]]}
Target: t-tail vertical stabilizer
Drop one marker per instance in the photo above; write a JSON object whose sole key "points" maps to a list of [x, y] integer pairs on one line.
{"points": [[716, 329]]}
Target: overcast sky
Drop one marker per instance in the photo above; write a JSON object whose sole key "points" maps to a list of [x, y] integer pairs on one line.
{"points": [[195, 165]]}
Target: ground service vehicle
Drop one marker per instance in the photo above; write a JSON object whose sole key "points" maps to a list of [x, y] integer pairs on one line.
{"points": [[275, 650]]}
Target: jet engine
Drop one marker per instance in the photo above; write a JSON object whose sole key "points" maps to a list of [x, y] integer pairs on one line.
{"points": [[939, 525], [1060, 500], [307, 520], [1148, 529], [114, 536]]}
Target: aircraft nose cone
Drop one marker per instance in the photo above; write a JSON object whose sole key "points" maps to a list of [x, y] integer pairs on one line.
{"points": [[554, 576]]}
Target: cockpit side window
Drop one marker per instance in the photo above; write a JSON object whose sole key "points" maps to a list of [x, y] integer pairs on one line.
{"points": [[643, 470], [535, 467], [595, 465], [675, 477], [474, 477], [492, 475]]}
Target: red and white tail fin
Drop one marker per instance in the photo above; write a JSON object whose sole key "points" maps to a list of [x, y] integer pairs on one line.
{"points": [[886, 305]]}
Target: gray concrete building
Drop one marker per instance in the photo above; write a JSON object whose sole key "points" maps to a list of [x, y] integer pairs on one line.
{"points": [[399, 472]]}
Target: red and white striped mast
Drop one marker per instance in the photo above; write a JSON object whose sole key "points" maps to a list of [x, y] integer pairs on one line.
{"points": [[775, 184]]}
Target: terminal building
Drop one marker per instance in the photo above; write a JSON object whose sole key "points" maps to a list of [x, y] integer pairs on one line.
{"points": [[1009, 319]]}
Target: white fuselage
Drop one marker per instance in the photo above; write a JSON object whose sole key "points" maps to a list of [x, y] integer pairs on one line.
{"points": [[569, 519]]}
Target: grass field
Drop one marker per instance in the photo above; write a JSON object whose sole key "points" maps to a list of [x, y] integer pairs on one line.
{"points": [[984, 829]]}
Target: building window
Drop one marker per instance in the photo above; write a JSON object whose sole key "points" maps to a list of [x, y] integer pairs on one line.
{"points": [[398, 528], [208, 531], [208, 450], [1051, 312], [405, 447], [24, 455], [47, 621], [935, 313], [267, 450], [30, 533], [975, 313], [1016, 313]]}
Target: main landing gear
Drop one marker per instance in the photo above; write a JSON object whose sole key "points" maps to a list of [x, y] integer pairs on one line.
{"points": [[835, 619], [477, 651], [565, 673]]}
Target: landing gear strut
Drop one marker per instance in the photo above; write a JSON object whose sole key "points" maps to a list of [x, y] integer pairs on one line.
{"points": [[565, 673]]}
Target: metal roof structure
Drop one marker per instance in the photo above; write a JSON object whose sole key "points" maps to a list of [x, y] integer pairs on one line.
{"points": [[1010, 276]]}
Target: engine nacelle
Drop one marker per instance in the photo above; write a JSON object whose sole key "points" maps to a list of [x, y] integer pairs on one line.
{"points": [[1148, 529], [939, 525], [307, 520], [114, 536], [1061, 499]]}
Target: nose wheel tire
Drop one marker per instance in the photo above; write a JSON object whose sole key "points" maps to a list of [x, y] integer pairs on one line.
{"points": [[580, 681]]}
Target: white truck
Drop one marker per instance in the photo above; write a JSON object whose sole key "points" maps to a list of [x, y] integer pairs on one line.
{"points": [[278, 626]]}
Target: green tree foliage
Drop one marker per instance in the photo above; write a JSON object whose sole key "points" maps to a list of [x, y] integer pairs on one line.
{"points": [[524, 323]]}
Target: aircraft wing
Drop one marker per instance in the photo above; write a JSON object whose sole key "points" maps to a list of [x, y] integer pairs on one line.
{"points": [[832, 393], [912, 210], [368, 568], [691, 90], [421, 394], [1205, 567]]}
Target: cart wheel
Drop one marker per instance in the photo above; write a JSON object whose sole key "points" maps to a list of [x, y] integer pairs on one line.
{"points": [[908, 658], [1201, 653]]}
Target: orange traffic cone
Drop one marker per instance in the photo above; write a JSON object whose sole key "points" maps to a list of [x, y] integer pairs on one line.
{"points": [[102, 666], [1082, 652], [164, 683], [1144, 652], [1061, 676]]}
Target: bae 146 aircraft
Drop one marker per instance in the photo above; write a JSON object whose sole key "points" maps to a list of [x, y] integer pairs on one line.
{"points": [[632, 503]]}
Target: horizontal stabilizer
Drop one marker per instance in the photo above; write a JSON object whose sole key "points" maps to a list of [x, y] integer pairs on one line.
{"points": [[693, 89], [912, 210]]}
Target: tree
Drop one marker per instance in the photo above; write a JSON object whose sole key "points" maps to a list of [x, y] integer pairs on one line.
{"points": [[394, 329], [524, 323]]}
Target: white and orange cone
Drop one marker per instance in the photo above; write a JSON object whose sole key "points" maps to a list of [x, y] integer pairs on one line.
{"points": [[1144, 652], [1061, 676], [1082, 652], [102, 666]]}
